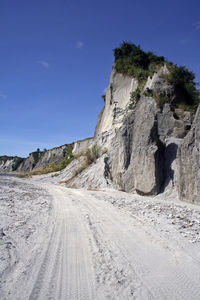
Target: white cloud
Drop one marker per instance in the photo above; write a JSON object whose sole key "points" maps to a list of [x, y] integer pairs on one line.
{"points": [[43, 63], [2, 95], [79, 44]]}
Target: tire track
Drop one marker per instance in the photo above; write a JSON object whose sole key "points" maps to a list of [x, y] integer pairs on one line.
{"points": [[160, 275], [66, 271]]}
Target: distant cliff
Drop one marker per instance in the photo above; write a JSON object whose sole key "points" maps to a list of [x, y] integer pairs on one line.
{"points": [[36, 160], [10, 163]]}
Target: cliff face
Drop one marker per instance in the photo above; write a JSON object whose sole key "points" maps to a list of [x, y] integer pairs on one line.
{"points": [[37, 160], [34, 161], [148, 147], [142, 142], [189, 164], [80, 146], [140, 152], [10, 163], [144, 159], [6, 165], [117, 99], [143, 152]]}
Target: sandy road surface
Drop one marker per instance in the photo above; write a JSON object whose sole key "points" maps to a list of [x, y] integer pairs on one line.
{"points": [[105, 245]]}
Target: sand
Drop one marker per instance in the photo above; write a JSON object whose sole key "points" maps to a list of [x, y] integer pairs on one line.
{"points": [[59, 243]]}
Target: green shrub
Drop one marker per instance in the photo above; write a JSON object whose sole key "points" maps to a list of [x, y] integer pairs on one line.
{"points": [[36, 156], [185, 87], [161, 99], [134, 98], [131, 60], [93, 153], [67, 151]]}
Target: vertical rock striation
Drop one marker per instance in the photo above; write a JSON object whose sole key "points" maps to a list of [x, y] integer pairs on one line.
{"points": [[189, 164], [117, 99], [138, 162]]}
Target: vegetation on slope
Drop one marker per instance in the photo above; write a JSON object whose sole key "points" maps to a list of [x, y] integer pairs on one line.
{"points": [[37, 155], [131, 60], [53, 167], [90, 155]]}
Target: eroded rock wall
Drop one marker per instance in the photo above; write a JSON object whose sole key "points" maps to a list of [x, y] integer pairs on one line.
{"points": [[10, 163], [189, 164], [81, 145], [144, 151], [142, 146], [138, 161], [117, 99], [6, 165]]}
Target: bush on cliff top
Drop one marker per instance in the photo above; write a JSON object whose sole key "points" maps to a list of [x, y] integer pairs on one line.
{"points": [[131, 60]]}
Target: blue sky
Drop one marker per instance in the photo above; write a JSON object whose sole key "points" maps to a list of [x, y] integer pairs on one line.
{"points": [[56, 57]]}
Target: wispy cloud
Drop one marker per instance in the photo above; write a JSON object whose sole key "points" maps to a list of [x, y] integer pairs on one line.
{"points": [[43, 63], [79, 44], [2, 95], [197, 25]]}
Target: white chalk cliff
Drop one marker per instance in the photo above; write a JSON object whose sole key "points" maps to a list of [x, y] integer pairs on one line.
{"points": [[140, 144]]}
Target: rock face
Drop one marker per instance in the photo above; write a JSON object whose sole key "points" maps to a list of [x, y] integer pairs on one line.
{"points": [[140, 152], [144, 159], [117, 99], [80, 146], [158, 84], [189, 164], [34, 161], [10, 163], [6, 165], [28, 164], [147, 149], [52, 156], [141, 143]]}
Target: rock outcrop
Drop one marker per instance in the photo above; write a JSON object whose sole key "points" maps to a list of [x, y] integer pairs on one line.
{"points": [[143, 150], [10, 163], [6, 165], [81, 145], [117, 99], [137, 164], [144, 159], [158, 83], [189, 164]]}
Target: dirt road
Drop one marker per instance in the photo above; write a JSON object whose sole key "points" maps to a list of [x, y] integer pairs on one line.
{"points": [[105, 245]]}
